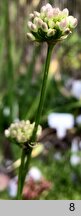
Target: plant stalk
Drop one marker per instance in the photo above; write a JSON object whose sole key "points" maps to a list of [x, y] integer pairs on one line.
{"points": [[21, 169], [43, 92], [25, 164]]}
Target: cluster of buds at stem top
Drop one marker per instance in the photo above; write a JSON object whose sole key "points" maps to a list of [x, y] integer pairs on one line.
{"points": [[50, 25], [22, 131]]}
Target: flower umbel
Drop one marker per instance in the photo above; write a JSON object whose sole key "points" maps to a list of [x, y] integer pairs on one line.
{"points": [[50, 25], [22, 131]]}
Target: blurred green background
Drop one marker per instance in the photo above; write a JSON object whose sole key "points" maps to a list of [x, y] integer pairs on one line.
{"points": [[21, 65]]}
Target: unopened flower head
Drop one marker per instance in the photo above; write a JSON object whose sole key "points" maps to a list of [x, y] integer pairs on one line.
{"points": [[22, 131], [50, 24]]}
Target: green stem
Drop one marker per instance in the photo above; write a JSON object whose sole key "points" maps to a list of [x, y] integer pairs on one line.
{"points": [[25, 165], [21, 169], [43, 92]]}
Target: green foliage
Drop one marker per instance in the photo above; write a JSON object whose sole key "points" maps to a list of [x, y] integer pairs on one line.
{"points": [[20, 83], [70, 56]]}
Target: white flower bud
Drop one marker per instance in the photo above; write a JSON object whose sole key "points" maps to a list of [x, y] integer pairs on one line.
{"points": [[43, 9], [30, 36], [16, 124], [40, 22], [22, 122], [36, 19], [50, 19], [72, 22], [29, 24], [65, 12], [49, 13], [20, 138], [27, 122], [31, 16], [43, 12], [56, 12], [23, 132], [51, 32], [75, 22], [63, 24], [44, 27], [48, 6], [32, 26], [7, 133], [37, 14], [13, 133]]}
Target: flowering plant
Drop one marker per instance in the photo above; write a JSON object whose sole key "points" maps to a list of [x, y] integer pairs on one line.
{"points": [[50, 25], [22, 131]]}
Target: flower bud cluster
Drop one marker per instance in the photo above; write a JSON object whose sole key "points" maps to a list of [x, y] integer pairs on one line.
{"points": [[50, 25], [22, 131]]}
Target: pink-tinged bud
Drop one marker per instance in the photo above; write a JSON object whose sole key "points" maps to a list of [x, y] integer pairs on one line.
{"points": [[63, 24], [75, 22], [65, 12], [32, 26], [48, 6], [51, 21], [49, 13], [72, 22], [43, 9], [43, 12], [37, 14], [44, 27], [51, 32], [30, 37], [47, 10], [56, 12], [31, 16], [29, 24]]}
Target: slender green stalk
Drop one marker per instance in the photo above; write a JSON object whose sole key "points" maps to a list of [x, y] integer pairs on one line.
{"points": [[43, 92], [21, 169], [25, 164], [26, 167]]}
